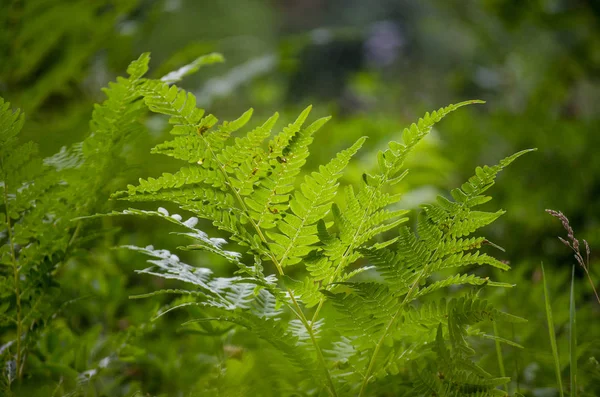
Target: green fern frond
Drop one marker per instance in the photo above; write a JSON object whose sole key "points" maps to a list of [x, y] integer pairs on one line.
{"points": [[365, 312], [201, 239], [246, 159], [365, 215], [254, 193], [470, 192], [205, 60], [271, 198], [274, 332], [458, 279], [391, 160], [310, 204], [117, 117]]}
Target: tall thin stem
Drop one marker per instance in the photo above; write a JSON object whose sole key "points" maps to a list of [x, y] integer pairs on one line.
{"points": [[350, 247], [16, 281], [389, 325]]}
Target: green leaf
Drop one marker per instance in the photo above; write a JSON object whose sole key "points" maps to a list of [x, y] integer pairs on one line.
{"points": [[551, 333]]}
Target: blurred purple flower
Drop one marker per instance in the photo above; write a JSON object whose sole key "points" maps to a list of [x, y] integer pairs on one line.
{"points": [[383, 43]]}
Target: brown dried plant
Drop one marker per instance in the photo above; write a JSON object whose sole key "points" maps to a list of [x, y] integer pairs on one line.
{"points": [[573, 243]]}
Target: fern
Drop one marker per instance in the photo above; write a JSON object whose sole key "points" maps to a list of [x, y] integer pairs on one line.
{"points": [[438, 245], [39, 200], [254, 193], [51, 42]]}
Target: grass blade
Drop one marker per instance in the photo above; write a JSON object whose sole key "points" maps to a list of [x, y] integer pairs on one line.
{"points": [[573, 337], [551, 333], [499, 353]]}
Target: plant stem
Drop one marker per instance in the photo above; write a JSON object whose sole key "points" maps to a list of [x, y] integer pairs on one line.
{"points": [[517, 369], [551, 333], [499, 354], [296, 307], [348, 250], [389, 325], [573, 337], [16, 280], [592, 283]]}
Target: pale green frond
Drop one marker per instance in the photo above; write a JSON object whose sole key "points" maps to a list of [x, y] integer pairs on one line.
{"points": [[201, 239], [365, 312], [275, 333], [391, 160], [271, 198], [470, 192], [168, 265], [458, 279], [310, 204], [265, 305], [192, 67], [473, 258]]}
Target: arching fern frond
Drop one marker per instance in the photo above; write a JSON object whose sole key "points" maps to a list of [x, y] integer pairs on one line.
{"points": [[439, 243], [252, 190], [310, 204]]}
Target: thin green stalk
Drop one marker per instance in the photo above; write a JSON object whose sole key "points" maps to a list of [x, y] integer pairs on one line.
{"points": [[517, 368], [551, 333], [350, 248], [573, 337], [379, 344], [499, 354], [16, 280]]}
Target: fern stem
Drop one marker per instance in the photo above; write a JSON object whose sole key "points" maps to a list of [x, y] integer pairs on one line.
{"points": [[349, 249], [16, 278], [389, 325], [376, 352], [296, 307], [517, 356], [309, 329]]}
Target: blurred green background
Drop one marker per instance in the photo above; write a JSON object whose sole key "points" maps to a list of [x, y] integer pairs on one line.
{"points": [[375, 66]]}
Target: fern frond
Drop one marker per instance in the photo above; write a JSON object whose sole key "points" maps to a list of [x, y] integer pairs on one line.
{"points": [[283, 340], [254, 194], [391, 160], [265, 305], [270, 200], [205, 60], [201, 239], [458, 279], [117, 117], [309, 205], [246, 160], [470, 192], [365, 312], [365, 215]]}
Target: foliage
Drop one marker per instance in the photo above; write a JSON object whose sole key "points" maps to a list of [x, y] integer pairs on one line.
{"points": [[226, 321], [253, 193], [40, 199]]}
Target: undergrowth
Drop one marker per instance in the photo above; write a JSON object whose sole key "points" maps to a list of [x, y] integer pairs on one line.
{"points": [[336, 290], [300, 248]]}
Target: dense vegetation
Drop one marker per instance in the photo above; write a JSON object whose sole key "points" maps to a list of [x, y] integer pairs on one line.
{"points": [[315, 256]]}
